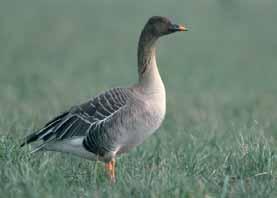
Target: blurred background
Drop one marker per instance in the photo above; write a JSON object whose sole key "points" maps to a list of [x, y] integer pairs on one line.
{"points": [[57, 53], [220, 76]]}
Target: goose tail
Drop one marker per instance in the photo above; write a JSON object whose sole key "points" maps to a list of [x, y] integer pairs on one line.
{"points": [[44, 133]]}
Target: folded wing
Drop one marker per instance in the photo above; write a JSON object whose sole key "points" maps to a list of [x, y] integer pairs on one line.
{"points": [[83, 120]]}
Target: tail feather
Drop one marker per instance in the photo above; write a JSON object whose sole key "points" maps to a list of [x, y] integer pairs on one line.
{"points": [[44, 132], [30, 138], [36, 149], [40, 147]]}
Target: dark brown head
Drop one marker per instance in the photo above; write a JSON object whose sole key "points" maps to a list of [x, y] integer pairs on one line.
{"points": [[159, 26]]}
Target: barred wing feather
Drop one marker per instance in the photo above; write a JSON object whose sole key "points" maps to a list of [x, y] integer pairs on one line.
{"points": [[85, 119]]}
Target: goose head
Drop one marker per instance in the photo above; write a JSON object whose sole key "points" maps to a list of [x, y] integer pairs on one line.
{"points": [[158, 26]]}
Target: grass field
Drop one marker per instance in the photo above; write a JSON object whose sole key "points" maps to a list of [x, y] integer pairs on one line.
{"points": [[219, 138]]}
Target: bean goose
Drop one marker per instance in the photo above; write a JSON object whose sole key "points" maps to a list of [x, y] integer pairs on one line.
{"points": [[116, 120]]}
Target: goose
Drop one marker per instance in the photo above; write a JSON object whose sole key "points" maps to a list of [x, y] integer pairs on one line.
{"points": [[116, 120]]}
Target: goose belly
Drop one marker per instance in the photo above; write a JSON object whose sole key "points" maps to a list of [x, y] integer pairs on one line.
{"points": [[140, 127]]}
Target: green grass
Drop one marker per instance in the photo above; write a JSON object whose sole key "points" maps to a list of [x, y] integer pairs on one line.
{"points": [[219, 137]]}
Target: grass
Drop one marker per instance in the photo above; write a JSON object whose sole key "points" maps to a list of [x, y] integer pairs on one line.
{"points": [[219, 136]]}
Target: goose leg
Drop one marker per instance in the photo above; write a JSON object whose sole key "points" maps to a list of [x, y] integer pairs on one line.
{"points": [[110, 167]]}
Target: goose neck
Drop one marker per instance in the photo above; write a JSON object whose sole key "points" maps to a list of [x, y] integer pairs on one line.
{"points": [[147, 66]]}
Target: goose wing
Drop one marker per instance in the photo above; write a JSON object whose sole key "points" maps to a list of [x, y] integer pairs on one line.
{"points": [[84, 119]]}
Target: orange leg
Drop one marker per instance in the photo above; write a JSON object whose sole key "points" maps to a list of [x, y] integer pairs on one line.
{"points": [[110, 167]]}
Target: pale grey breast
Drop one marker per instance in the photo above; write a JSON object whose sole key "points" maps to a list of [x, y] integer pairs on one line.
{"points": [[144, 115]]}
